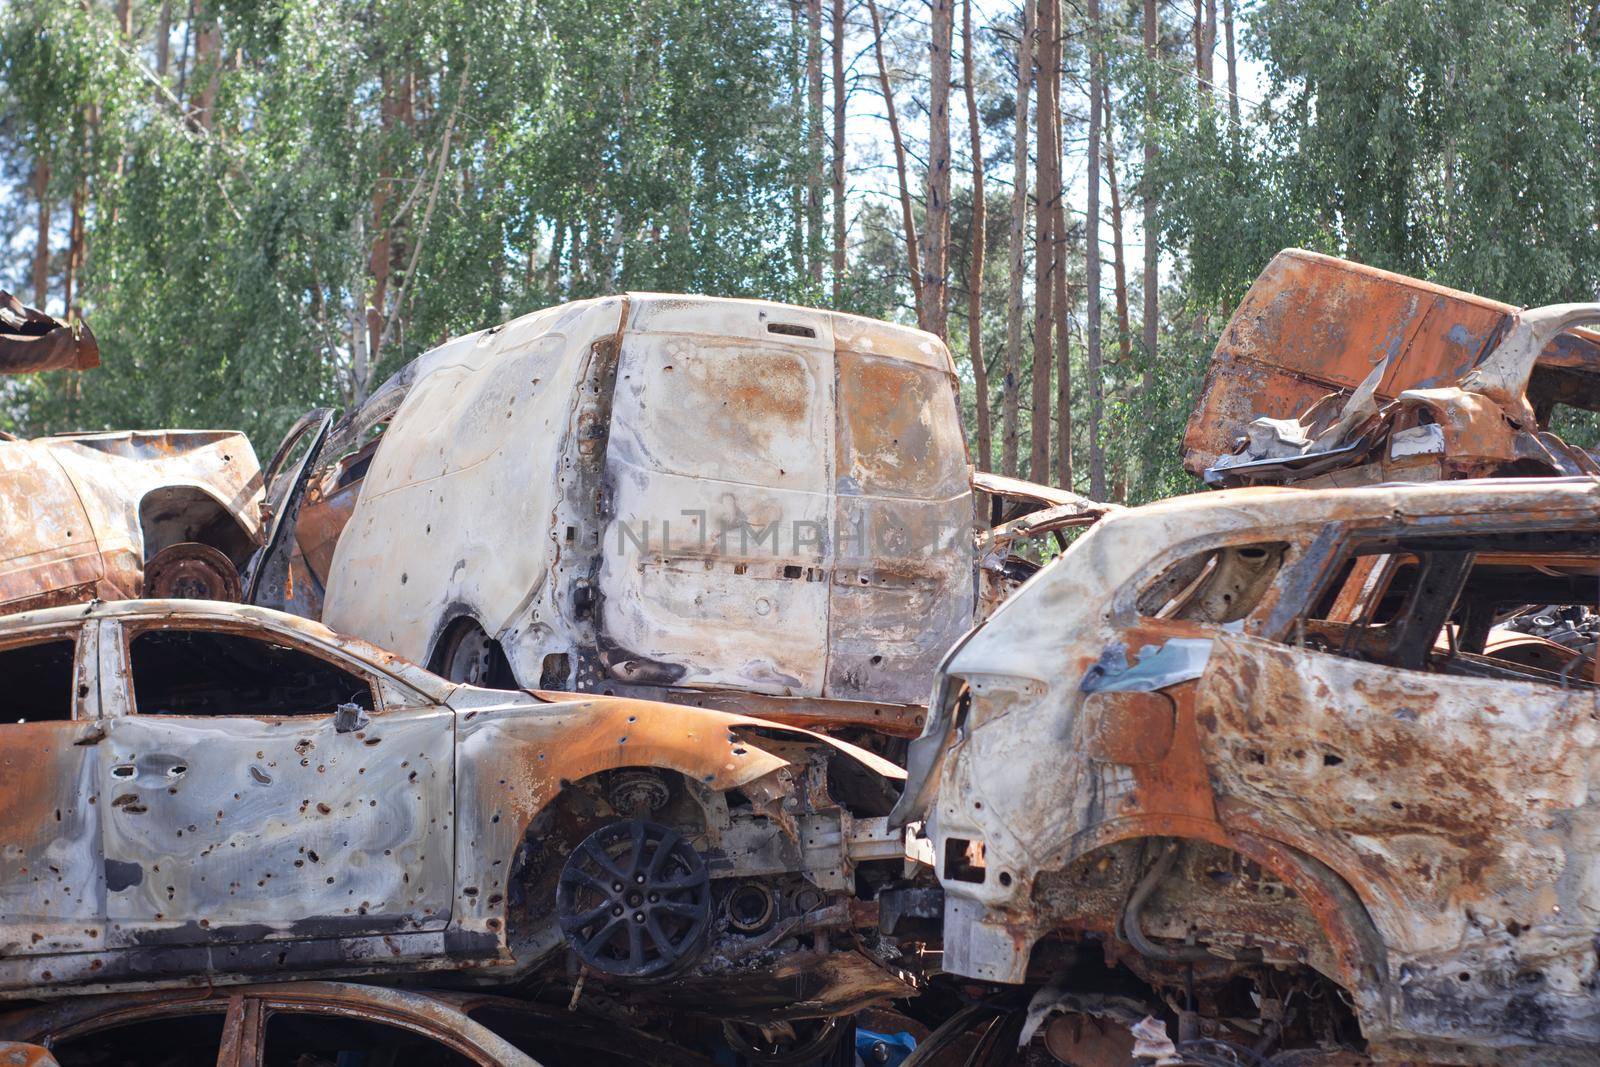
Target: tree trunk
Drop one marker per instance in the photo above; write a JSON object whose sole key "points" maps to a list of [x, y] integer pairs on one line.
{"points": [[207, 65], [838, 151], [381, 252], [908, 219], [74, 268], [1210, 43], [163, 37], [1063, 301], [553, 265], [183, 53], [1118, 261], [1091, 270], [936, 256], [797, 94], [1233, 65], [1205, 44], [1047, 187], [1197, 33], [977, 234], [125, 18], [814, 142], [1010, 434], [1152, 286], [41, 243]]}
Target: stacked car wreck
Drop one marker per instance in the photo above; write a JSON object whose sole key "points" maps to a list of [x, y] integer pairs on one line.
{"points": [[221, 792], [1276, 761], [1294, 772]]}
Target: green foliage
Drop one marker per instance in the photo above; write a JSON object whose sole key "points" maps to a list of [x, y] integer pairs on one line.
{"points": [[234, 256], [522, 153]]}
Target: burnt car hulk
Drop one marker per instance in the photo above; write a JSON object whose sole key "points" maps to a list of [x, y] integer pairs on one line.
{"points": [[117, 514], [200, 792], [1253, 761], [721, 502]]}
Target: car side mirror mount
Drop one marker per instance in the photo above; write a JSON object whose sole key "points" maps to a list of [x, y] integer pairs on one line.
{"points": [[348, 718]]}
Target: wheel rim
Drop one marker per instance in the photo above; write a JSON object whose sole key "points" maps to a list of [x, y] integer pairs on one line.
{"points": [[191, 571], [634, 900], [468, 659]]}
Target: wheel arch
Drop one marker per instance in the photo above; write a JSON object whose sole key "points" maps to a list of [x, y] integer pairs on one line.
{"points": [[1345, 918], [512, 767], [179, 512]]}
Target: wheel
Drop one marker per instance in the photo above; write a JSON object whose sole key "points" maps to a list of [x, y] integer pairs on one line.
{"points": [[469, 655], [634, 900], [190, 570]]}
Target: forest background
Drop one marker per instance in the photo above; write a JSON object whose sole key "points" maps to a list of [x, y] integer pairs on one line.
{"points": [[263, 205]]}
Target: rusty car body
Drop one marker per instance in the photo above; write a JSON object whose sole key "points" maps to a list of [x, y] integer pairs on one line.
{"points": [[1254, 761], [117, 515], [720, 502], [1336, 373], [200, 792]]}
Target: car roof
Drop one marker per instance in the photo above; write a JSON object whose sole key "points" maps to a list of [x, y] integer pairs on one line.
{"points": [[1281, 508], [242, 614]]}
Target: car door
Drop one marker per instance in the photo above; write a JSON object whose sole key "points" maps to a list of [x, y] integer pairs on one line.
{"points": [[1384, 715], [52, 894], [720, 474], [239, 807], [901, 589]]}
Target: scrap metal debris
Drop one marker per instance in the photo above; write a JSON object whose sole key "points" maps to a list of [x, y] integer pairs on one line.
{"points": [[31, 341], [1335, 373]]}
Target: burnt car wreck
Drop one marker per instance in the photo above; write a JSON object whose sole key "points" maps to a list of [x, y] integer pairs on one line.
{"points": [[1255, 755], [1334, 373], [1295, 772], [727, 503], [208, 792]]}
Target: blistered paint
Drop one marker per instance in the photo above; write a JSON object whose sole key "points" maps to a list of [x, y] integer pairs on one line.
{"points": [[162, 849], [656, 495], [1423, 840], [82, 513]]}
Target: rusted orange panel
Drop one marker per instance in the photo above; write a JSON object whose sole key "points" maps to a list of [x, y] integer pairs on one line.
{"points": [[1313, 324]]}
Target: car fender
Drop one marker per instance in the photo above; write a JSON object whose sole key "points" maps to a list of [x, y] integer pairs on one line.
{"points": [[514, 760]]}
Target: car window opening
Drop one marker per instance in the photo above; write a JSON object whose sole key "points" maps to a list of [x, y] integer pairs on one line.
{"points": [[38, 680], [297, 1039], [151, 1042], [1217, 586], [203, 672], [1518, 606]]}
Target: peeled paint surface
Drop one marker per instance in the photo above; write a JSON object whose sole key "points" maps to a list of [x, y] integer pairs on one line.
{"points": [[1435, 832], [177, 849], [83, 512], [655, 494]]}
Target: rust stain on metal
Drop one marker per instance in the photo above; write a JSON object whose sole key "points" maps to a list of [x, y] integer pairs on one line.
{"points": [[1332, 744], [1335, 373]]}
